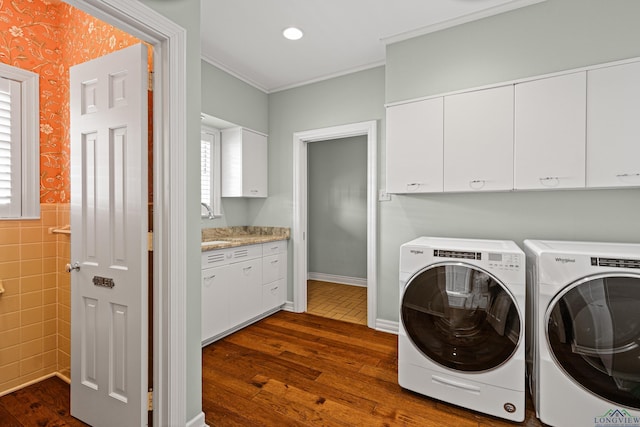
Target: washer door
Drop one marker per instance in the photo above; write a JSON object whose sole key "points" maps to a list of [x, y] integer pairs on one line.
{"points": [[460, 317], [593, 331]]}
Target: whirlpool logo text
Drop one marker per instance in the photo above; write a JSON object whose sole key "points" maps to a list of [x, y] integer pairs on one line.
{"points": [[617, 418], [565, 260]]}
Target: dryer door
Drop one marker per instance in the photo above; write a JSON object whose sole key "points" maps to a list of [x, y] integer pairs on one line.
{"points": [[461, 317], [593, 332]]}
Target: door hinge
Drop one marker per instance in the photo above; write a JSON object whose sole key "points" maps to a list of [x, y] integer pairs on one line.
{"points": [[150, 400], [150, 81], [150, 241]]}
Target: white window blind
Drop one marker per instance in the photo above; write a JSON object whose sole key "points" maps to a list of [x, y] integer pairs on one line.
{"points": [[10, 148], [206, 148], [210, 171], [19, 143]]}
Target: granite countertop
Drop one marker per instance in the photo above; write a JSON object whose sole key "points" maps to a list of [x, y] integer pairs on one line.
{"points": [[229, 237]]}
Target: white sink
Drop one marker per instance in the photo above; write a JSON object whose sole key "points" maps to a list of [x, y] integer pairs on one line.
{"points": [[214, 242]]}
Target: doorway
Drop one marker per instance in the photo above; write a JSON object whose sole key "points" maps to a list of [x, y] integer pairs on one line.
{"points": [[300, 206], [337, 223]]}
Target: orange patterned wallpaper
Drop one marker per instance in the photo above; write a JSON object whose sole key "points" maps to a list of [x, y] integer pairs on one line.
{"points": [[47, 37]]}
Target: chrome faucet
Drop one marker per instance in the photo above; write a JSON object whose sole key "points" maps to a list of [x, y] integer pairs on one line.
{"points": [[209, 210]]}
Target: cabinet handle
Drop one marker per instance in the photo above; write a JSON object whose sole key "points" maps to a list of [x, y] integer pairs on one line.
{"points": [[477, 184], [274, 262], [206, 281], [246, 270], [550, 181], [274, 289], [414, 186], [627, 175]]}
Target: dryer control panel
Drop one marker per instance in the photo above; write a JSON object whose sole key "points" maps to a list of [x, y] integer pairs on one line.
{"points": [[494, 260], [504, 262]]}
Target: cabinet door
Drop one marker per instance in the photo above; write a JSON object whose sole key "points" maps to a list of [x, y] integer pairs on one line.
{"points": [[215, 301], [254, 164], [273, 268], [245, 291], [613, 126], [414, 147], [243, 163], [550, 123], [478, 140], [273, 294]]}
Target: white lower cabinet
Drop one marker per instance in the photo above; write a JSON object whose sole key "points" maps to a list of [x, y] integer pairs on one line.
{"points": [[274, 274], [215, 301], [245, 291], [240, 285]]}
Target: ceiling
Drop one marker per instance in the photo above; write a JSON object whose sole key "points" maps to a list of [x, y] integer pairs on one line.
{"points": [[244, 37]]}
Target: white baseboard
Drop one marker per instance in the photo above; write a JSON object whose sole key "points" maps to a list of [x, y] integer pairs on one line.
{"points": [[343, 280], [197, 421], [387, 326], [288, 306]]}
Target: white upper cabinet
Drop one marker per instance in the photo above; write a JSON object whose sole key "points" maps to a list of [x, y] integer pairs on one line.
{"points": [[244, 163], [478, 140], [550, 127], [613, 126], [414, 147]]}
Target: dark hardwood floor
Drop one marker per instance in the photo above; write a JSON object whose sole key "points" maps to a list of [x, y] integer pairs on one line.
{"points": [[302, 370], [45, 404], [286, 370]]}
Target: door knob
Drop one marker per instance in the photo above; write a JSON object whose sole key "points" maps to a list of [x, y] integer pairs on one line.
{"points": [[75, 266]]}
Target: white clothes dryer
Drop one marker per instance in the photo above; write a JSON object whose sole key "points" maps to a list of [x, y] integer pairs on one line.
{"points": [[461, 331], [584, 343]]}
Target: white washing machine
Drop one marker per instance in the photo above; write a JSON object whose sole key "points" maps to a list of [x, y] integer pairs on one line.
{"points": [[584, 348], [461, 332]]}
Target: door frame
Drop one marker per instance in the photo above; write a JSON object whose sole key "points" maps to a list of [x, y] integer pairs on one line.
{"points": [[169, 180], [300, 202]]}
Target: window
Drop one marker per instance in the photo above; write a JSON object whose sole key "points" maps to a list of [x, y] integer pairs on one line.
{"points": [[19, 144], [210, 172]]}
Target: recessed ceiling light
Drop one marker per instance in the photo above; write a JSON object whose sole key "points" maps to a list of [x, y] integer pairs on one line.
{"points": [[292, 33]]}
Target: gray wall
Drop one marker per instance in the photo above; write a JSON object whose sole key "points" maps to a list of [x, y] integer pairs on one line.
{"points": [[546, 37], [186, 13], [337, 207], [228, 98], [348, 99]]}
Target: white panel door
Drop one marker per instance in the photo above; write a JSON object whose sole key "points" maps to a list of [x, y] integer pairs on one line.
{"points": [[550, 132], [478, 140], [414, 147], [613, 126], [109, 313]]}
